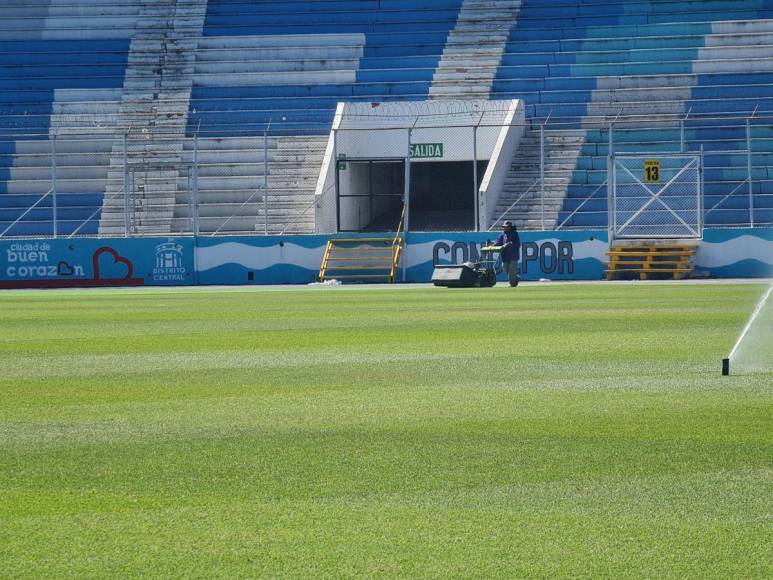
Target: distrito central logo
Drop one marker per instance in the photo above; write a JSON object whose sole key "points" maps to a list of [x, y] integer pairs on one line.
{"points": [[169, 263]]}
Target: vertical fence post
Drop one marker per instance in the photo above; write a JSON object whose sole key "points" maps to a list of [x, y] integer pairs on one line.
{"points": [[407, 185], [475, 192], [190, 184], [195, 189], [55, 209], [542, 175], [701, 194], [407, 204], [336, 184], [265, 182], [749, 171], [610, 184], [125, 186]]}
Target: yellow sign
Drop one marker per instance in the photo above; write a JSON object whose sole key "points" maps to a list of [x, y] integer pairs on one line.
{"points": [[652, 171]]}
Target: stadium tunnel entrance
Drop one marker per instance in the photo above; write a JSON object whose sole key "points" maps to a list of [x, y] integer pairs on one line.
{"points": [[443, 162], [371, 194], [443, 195]]}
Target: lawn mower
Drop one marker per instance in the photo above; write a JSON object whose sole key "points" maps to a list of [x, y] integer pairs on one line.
{"points": [[480, 274]]}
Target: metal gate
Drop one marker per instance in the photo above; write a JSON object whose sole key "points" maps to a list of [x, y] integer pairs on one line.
{"points": [[656, 197]]}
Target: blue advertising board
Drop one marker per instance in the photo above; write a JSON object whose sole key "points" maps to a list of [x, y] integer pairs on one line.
{"points": [[736, 253], [544, 255], [96, 262], [296, 259], [259, 259]]}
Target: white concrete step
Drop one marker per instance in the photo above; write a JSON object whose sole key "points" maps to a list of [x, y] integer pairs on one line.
{"points": [[639, 94], [750, 39], [637, 108], [742, 26], [231, 79], [278, 53], [37, 147], [469, 61], [43, 160], [230, 143], [482, 73], [273, 66], [41, 186], [284, 40], [764, 64]]}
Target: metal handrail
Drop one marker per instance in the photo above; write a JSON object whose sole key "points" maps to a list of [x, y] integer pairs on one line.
{"points": [[397, 245], [721, 201], [28, 210], [400, 224], [496, 221], [96, 211], [233, 215], [579, 207], [87, 220]]}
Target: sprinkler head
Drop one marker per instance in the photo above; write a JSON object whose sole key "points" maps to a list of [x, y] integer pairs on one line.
{"points": [[725, 367]]}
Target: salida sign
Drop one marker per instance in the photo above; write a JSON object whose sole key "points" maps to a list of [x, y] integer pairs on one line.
{"points": [[538, 258]]}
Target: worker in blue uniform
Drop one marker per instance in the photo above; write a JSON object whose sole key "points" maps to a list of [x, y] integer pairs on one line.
{"points": [[511, 250]]}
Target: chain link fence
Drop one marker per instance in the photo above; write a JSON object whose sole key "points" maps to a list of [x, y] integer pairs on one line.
{"points": [[656, 198], [450, 177]]}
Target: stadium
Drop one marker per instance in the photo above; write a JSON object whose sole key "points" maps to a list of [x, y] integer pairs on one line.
{"points": [[225, 351]]}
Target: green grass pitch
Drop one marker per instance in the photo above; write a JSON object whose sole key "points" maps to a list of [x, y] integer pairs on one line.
{"points": [[550, 430]]}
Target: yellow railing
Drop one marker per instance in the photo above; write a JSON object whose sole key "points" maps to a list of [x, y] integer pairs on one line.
{"points": [[372, 258]]}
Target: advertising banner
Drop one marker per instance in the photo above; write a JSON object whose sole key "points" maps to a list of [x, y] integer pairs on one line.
{"points": [[544, 255], [296, 259], [260, 260], [96, 262], [736, 253]]}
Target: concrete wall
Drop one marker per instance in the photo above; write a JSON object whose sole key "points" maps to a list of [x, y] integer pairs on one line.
{"points": [[502, 155]]}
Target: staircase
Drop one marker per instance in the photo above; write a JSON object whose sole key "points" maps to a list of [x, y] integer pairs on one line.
{"points": [[362, 259], [474, 49], [292, 179], [651, 260], [520, 201], [153, 116]]}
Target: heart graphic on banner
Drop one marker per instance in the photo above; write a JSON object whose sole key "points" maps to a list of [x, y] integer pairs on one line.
{"points": [[116, 265], [64, 269]]}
